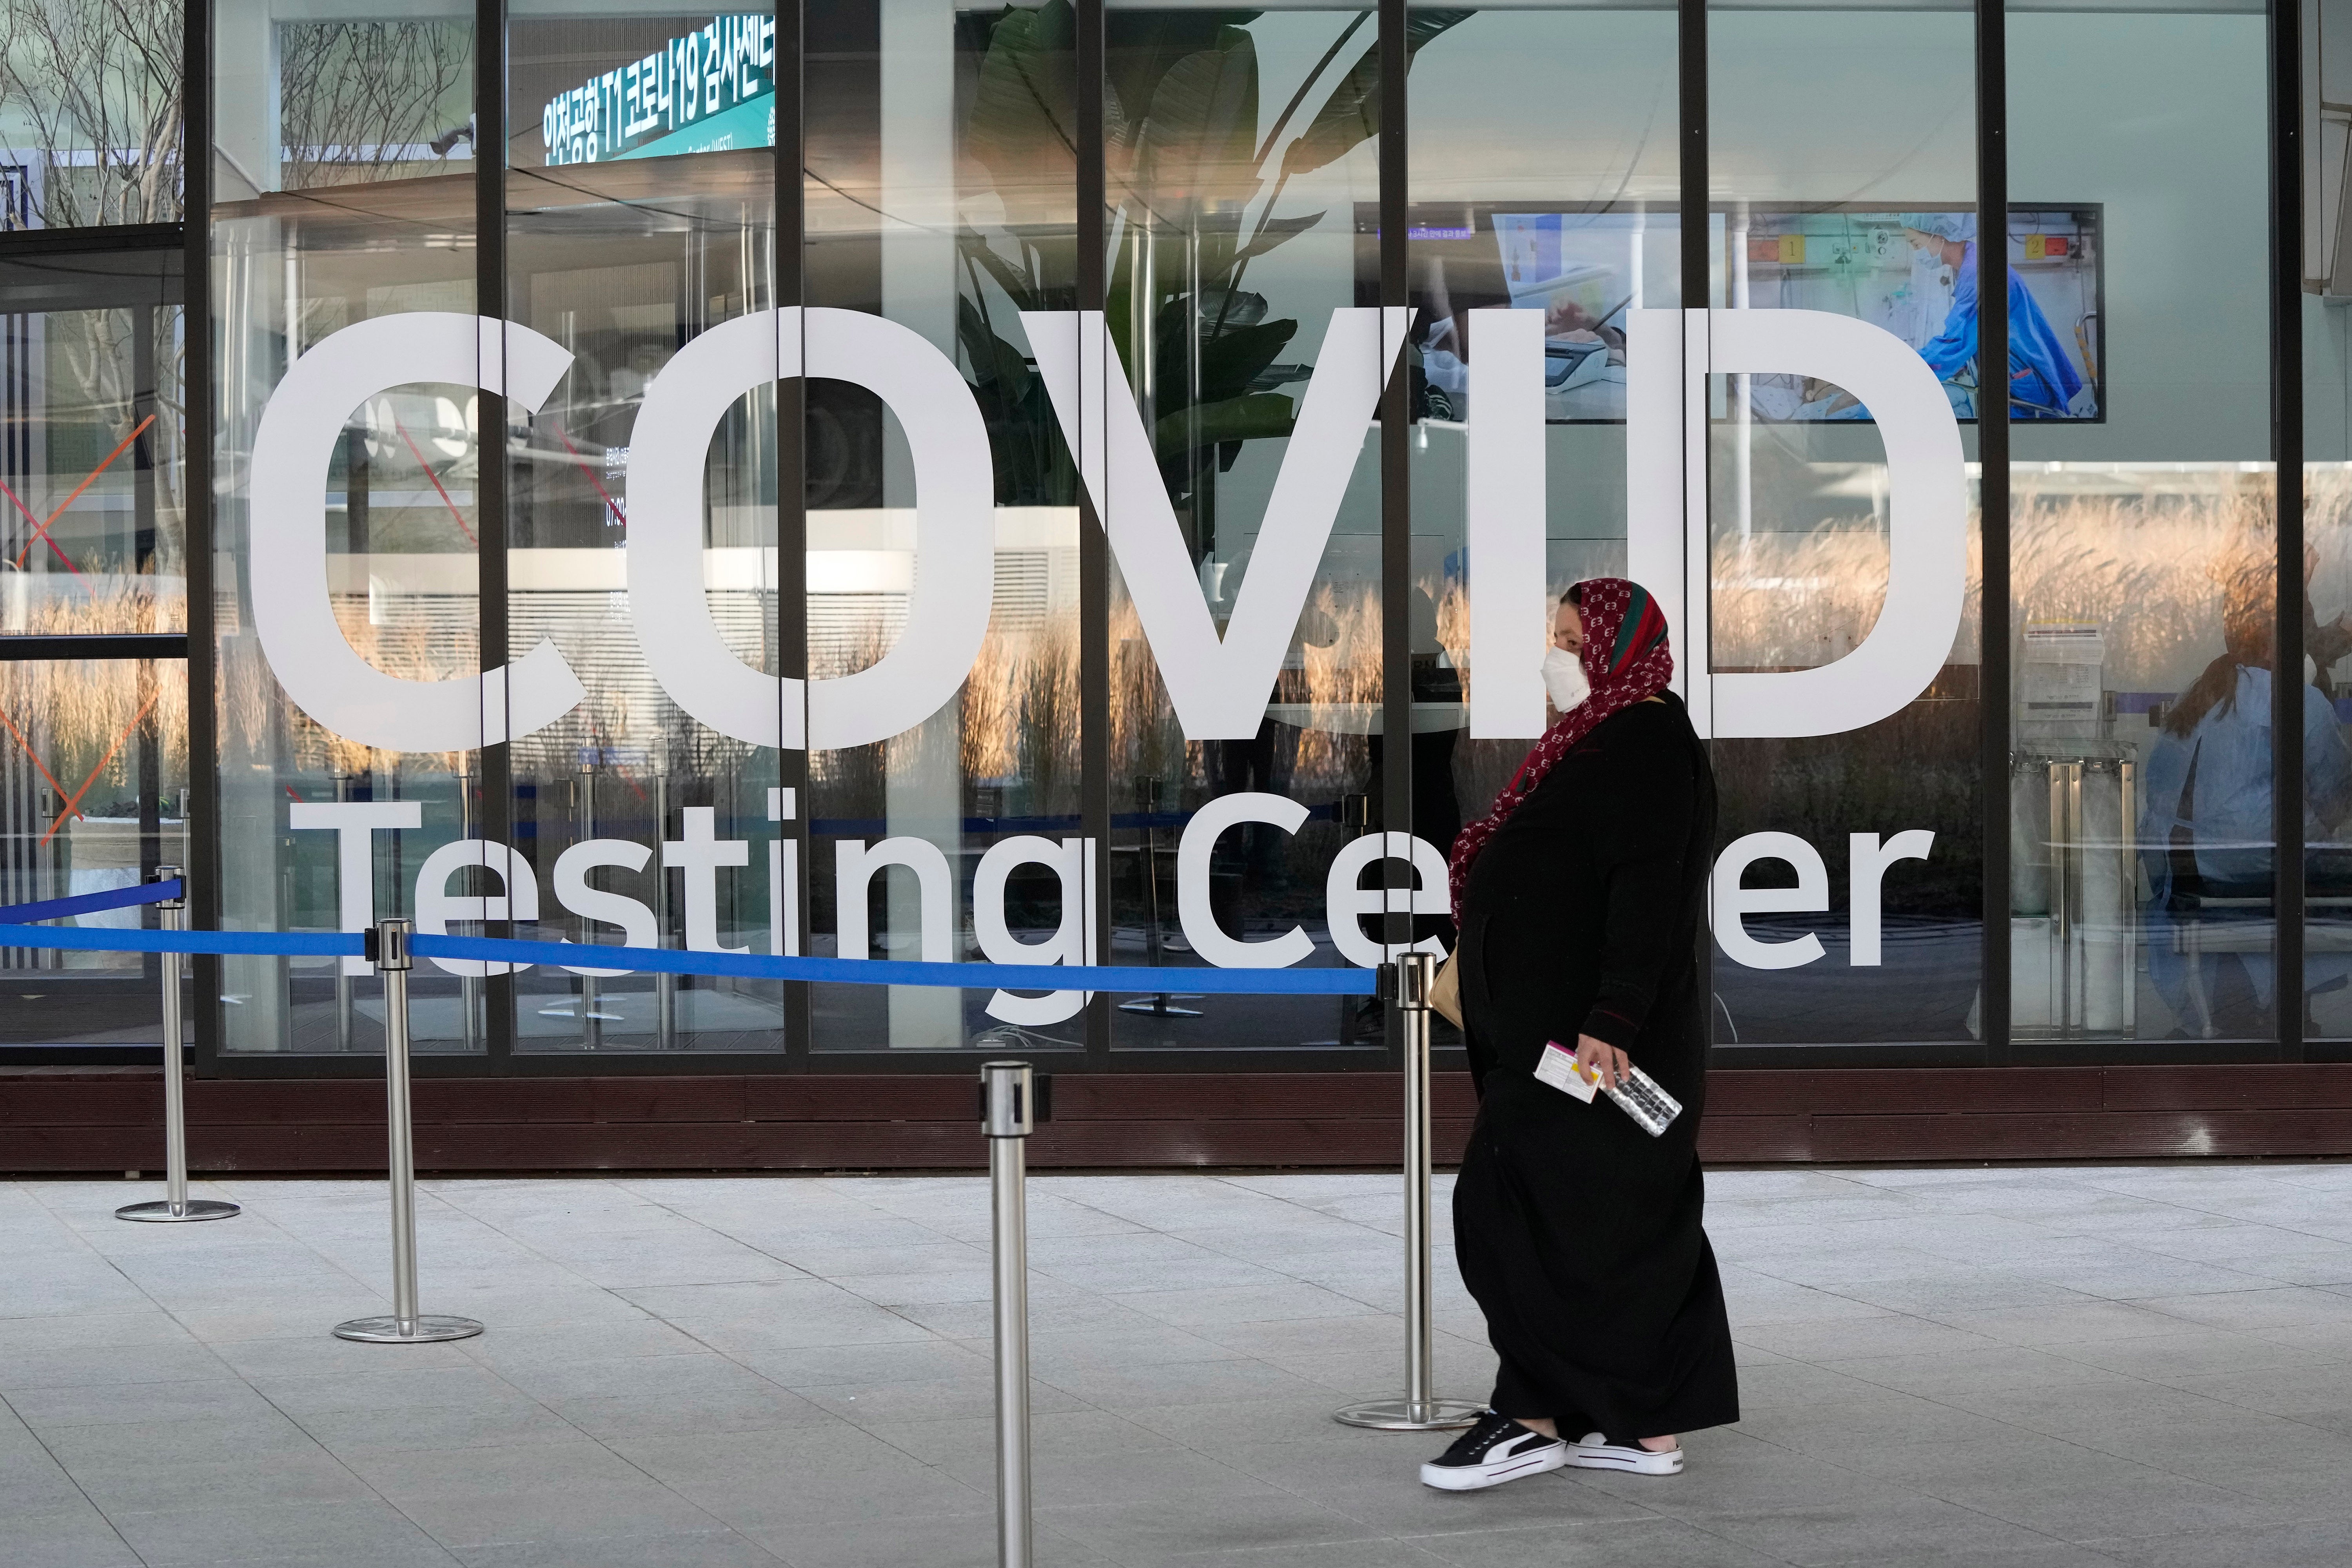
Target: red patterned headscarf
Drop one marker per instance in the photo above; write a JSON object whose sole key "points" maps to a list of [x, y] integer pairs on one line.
{"points": [[1628, 660]]}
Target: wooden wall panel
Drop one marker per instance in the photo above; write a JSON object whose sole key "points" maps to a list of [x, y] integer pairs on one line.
{"points": [[105, 1120]]}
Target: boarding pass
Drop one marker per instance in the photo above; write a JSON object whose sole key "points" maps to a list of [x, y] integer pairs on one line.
{"points": [[1558, 1067]]}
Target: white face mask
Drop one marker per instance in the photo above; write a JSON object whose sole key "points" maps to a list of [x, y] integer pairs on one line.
{"points": [[1563, 674]]}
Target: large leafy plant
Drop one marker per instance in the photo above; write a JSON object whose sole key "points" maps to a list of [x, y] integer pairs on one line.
{"points": [[1196, 190]]}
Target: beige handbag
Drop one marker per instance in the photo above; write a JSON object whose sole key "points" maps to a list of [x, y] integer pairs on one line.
{"points": [[1446, 991]]}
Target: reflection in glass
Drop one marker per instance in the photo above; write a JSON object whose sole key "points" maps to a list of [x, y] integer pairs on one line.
{"points": [[1815, 213], [90, 134], [2144, 550], [93, 794], [2327, 514], [1242, 151], [91, 506], [1526, 198], [942, 196], [370, 215], [640, 216]]}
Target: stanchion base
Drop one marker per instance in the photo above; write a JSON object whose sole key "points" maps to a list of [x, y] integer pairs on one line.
{"points": [[160, 1212], [1409, 1416], [1158, 1008], [427, 1330]]}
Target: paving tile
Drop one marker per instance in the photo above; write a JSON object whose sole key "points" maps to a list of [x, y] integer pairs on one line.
{"points": [[1654, 1542], [944, 1399], [2247, 1311], [695, 1549], [1940, 1369], [903, 1361], [671, 1412], [82, 1366], [2167, 1358], [920, 1540], [329, 1534], [2301, 1543], [132, 1443], [474, 1425], [767, 1481], [2071, 1323], [1152, 1531], [944, 1443], [71, 1536], [95, 1405], [1243, 1303], [223, 1479], [1975, 1371], [394, 1387], [1072, 1475], [80, 1329], [1889, 1334]]}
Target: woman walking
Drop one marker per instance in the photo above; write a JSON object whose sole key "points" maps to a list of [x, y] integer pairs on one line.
{"points": [[1579, 898]]}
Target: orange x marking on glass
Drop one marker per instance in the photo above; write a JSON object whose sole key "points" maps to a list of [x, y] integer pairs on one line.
{"points": [[41, 530], [74, 805], [610, 505], [445, 501]]}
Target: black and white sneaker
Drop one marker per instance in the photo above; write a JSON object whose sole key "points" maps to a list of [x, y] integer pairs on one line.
{"points": [[1595, 1452], [1496, 1450]]}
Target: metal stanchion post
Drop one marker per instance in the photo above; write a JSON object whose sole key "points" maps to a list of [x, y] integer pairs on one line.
{"points": [[388, 948], [342, 974], [1007, 1113], [665, 986], [1147, 805], [1421, 1410], [177, 1203]]}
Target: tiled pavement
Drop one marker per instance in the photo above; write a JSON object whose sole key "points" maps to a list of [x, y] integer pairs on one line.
{"points": [[2016, 1368]]}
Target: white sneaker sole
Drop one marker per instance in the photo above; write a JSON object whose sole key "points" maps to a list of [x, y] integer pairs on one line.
{"points": [[1634, 1461], [1474, 1478]]}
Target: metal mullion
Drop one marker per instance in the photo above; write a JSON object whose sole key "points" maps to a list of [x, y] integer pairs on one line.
{"points": [[1993, 517], [1094, 547], [95, 645], [203, 814], [792, 491], [1691, 113], [1396, 488], [495, 777], [1691, 221], [2286, 446]]}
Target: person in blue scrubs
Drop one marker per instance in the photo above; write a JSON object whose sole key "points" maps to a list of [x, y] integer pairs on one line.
{"points": [[2206, 832], [2043, 381]]}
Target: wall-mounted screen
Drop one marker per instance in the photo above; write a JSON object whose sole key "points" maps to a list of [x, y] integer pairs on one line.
{"points": [[1913, 273]]}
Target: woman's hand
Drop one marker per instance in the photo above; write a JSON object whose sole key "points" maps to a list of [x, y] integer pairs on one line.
{"points": [[1603, 1062]]}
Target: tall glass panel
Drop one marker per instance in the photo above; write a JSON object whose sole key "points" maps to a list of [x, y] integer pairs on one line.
{"points": [[641, 218], [1244, 189], [91, 509], [2328, 519], [1525, 198], [2142, 528], [941, 199], [89, 115], [1842, 151], [93, 792], [343, 190]]}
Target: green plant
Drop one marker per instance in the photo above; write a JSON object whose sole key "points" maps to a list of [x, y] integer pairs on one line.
{"points": [[1196, 195]]}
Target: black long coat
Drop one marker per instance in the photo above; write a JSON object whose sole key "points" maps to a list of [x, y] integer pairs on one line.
{"points": [[1578, 1233]]}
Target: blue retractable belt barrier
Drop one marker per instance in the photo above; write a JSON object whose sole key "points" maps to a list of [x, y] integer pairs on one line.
{"points": [[887, 972], [1122, 979], [93, 902]]}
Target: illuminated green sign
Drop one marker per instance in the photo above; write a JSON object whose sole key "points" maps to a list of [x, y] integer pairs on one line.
{"points": [[711, 88]]}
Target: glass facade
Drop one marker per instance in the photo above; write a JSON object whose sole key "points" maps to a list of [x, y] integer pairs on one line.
{"points": [[1062, 483]]}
